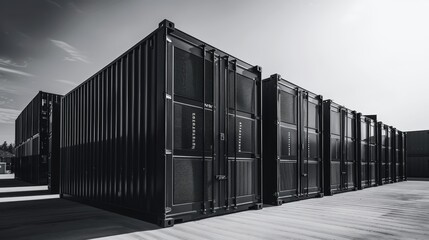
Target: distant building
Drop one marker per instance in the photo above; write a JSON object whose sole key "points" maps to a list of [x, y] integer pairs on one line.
{"points": [[6, 157]]}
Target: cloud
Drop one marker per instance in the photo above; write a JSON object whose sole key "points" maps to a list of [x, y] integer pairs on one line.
{"points": [[66, 82], [8, 116], [8, 90], [9, 63], [8, 70], [53, 3], [78, 10], [75, 54]]}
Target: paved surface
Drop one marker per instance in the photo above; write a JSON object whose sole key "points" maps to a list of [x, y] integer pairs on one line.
{"points": [[7, 176], [394, 211]]}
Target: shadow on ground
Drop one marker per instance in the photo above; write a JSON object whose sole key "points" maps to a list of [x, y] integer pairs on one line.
{"points": [[14, 183], [26, 193], [63, 219]]}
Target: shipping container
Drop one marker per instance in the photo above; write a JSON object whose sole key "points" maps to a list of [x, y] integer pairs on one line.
{"points": [[340, 144], [33, 160], [395, 154], [168, 132], [417, 154], [292, 142], [401, 156], [385, 153], [367, 152], [54, 146], [405, 155]]}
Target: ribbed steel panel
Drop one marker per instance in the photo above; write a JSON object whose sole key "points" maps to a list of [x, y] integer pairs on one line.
{"points": [[386, 153], [417, 154], [168, 132], [401, 174], [367, 152], [292, 142], [341, 147], [32, 131]]}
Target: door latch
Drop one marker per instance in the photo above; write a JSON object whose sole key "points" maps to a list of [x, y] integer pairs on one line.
{"points": [[220, 177], [222, 136]]}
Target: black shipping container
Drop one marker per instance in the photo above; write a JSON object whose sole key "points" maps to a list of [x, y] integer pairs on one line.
{"points": [[292, 142], [54, 146], [168, 132], [385, 153], [340, 144], [417, 154], [402, 176], [34, 160], [395, 154], [367, 152]]}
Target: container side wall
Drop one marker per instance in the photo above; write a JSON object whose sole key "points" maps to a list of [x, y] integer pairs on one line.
{"points": [[416, 156], [110, 143], [32, 140]]}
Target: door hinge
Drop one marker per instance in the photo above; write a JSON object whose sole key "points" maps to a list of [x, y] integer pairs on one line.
{"points": [[167, 209]]}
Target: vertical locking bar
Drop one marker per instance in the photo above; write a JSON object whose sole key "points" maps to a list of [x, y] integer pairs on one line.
{"points": [[300, 129], [308, 141], [204, 211], [213, 128], [226, 109], [235, 133], [279, 133]]}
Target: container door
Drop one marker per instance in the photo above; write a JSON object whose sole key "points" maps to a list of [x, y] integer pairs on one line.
{"points": [[396, 156], [388, 154], [336, 147], [373, 174], [383, 154], [303, 169], [350, 150], [192, 128], [343, 167], [364, 152], [288, 142], [243, 153], [213, 131], [311, 167], [401, 157]]}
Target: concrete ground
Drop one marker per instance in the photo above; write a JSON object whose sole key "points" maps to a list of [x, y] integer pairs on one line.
{"points": [[394, 211]]}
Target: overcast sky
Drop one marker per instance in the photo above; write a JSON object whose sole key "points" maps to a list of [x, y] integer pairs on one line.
{"points": [[369, 55]]}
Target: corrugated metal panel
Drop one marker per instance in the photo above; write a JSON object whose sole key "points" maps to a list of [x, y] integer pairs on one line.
{"points": [[32, 140], [341, 145], [169, 131], [367, 155], [418, 142], [417, 154], [292, 142], [401, 156], [387, 152]]}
